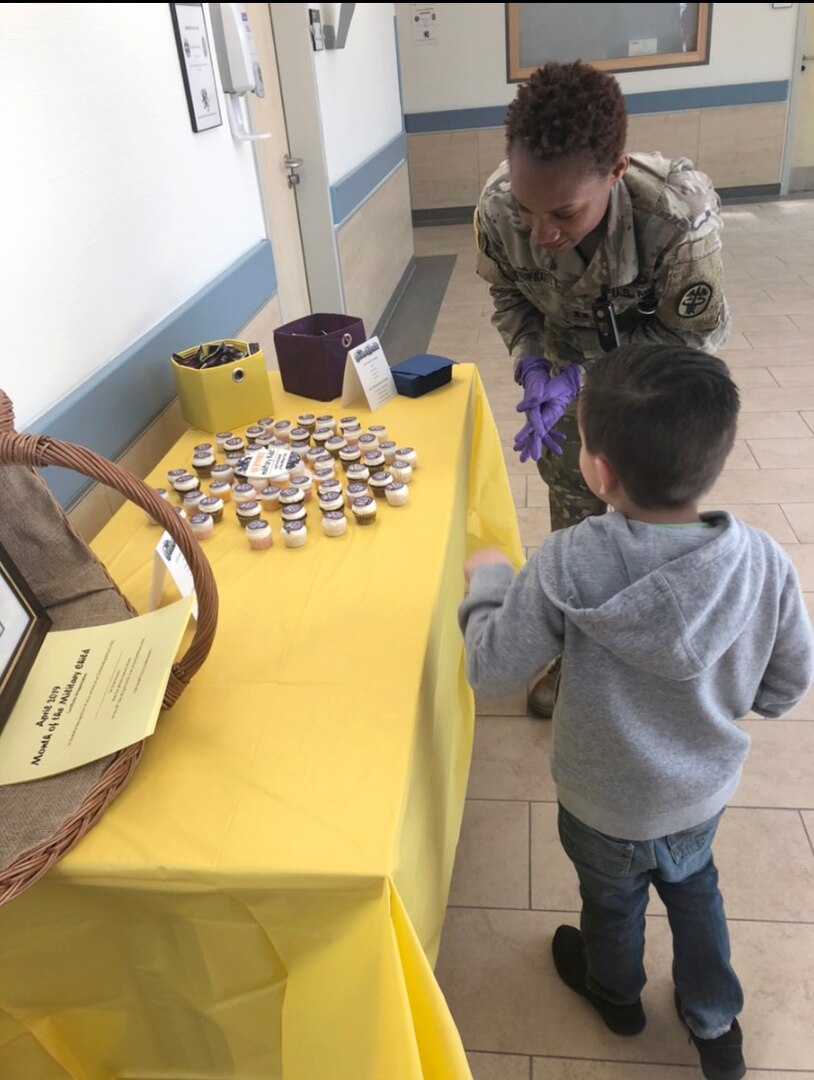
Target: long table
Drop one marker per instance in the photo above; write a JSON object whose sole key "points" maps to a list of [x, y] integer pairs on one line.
{"points": [[266, 897]]}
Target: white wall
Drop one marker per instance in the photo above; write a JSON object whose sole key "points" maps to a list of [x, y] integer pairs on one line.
{"points": [[466, 66], [114, 212], [358, 88]]}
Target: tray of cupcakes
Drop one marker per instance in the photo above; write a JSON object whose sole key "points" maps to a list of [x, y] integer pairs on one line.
{"points": [[278, 470]]}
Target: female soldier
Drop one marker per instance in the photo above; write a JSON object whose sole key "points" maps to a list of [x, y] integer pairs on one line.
{"points": [[571, 226]]}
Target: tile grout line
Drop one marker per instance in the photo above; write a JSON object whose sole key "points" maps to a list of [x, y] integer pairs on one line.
{"points": [[788, 519], [529, 860], [650, 915], [805, 829], [553, 802]]}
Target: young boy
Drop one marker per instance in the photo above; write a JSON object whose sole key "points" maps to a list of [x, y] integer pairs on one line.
{"points": [[672, 626]]}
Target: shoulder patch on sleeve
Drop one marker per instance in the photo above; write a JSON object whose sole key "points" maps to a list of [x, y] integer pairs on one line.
{"points": [[692, 298]]}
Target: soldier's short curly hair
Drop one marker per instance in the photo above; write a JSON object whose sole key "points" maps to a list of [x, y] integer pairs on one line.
{"points": [[569, 110]]}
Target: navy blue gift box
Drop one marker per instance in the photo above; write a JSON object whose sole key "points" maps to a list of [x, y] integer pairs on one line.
{"points": [[420, 374]]}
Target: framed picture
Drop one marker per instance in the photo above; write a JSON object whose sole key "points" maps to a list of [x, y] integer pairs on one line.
{"points": [[197, 65], [611, 37], [23, 626]]}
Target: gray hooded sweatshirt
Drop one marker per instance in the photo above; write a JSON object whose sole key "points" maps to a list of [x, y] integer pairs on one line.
{"points": [[669, 635]]}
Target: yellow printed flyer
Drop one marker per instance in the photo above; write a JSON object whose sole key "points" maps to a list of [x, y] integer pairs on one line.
{"points": [[91, 691]]}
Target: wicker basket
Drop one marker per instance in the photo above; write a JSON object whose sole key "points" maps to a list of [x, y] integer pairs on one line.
{"points": [[43, 819]]}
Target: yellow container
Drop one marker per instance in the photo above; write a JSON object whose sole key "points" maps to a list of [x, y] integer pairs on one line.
{"points": [[222, 398]]}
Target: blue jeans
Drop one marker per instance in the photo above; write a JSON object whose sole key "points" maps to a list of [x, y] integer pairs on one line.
{"points": [[614, 882]]}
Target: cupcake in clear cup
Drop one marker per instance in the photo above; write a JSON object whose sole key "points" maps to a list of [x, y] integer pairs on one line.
{"points": [[175, 474], [234, 445], [295, 534], [243, 493], [388, 448], [402, 471], [270, 499], [330, 500], [364, 510], [374, 459], [259, 535], [223, 472], [350, 455], [356, 490], [202, 462], [334, 523], [358, 474], [290, 496], [202, 526], [186, 482], [248, 511], [397, 493], [322, 475], [378, 482], [297, 512], [408, 454], [190, 501], [368, 441], [212, 505], [304, 484]]}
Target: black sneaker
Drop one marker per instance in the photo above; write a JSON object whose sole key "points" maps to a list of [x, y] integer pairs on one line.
{"points": [[721, 1058], [569, 960]]}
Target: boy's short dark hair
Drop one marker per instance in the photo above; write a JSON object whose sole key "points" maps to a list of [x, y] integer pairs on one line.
{"points": [[663, 417], [570, 110]]}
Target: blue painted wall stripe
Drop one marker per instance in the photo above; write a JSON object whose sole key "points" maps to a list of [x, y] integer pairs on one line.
{"points": [[112, 408], [357, 185], [701, 97]]}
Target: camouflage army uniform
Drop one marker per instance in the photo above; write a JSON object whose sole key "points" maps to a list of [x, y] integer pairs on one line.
{"points": [[661, 250]]}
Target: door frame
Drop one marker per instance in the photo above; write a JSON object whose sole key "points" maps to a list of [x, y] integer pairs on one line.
{"points": [[794, 100], [278, 200]]}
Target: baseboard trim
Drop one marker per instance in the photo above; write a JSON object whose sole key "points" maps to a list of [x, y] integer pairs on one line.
{"points": [[443, 215], [462, 215], [748, 192]]}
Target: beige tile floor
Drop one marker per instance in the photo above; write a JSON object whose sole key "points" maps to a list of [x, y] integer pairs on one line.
{"points": [[512, 884]]}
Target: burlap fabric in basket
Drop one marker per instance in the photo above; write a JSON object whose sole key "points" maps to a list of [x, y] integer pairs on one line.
{"points": [[42, 820]]}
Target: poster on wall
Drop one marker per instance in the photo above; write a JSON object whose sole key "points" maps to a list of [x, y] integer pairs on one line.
{"points": [[197, 65]]}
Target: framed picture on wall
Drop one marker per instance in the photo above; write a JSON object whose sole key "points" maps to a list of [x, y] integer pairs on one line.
{"points": [[611, 37], [23, 626], [197, 65]]}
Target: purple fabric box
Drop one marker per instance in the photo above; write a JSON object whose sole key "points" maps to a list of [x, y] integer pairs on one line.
{"points": [[312, 351]]}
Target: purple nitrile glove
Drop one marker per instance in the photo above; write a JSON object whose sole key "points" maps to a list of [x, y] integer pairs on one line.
{"points": [[532, 373], [560, 392], [529, 443], [537, 432]]}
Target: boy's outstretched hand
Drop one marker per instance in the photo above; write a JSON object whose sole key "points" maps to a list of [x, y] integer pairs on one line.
{"points": [[484, 558]]}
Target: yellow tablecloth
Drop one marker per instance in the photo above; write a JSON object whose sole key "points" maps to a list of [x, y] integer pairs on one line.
{"points": [[265, 899]]}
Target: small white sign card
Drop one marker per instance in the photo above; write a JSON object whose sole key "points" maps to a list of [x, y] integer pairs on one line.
{"points": [[168, 557], [367, 372]]}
